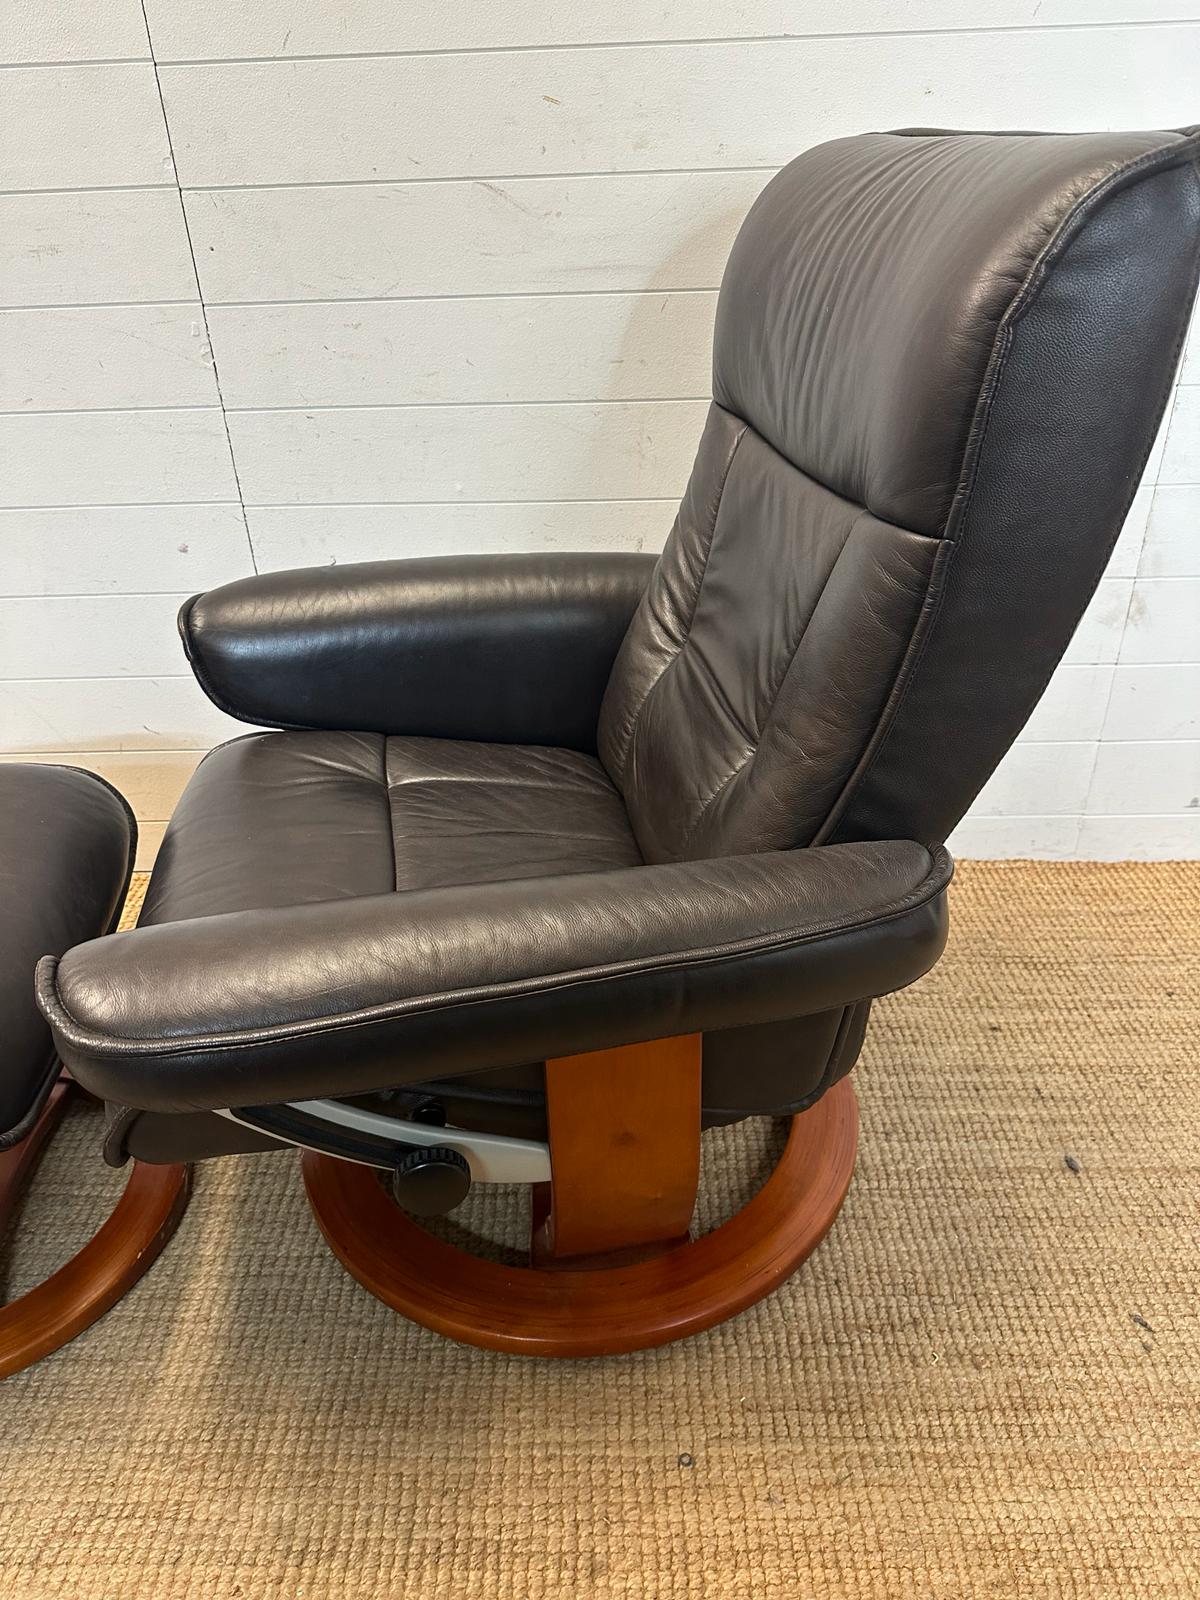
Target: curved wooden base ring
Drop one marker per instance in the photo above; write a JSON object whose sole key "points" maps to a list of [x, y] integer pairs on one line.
{"points": [[594, 1311], [111, 1262]]}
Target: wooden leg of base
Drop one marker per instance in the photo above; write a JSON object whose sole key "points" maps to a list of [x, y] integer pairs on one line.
{"points": [[594, 1311], [145, 1217]]}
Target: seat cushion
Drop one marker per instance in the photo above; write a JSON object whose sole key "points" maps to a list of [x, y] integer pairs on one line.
{"points": [[483, 813], [286, 819], [66, 851]]}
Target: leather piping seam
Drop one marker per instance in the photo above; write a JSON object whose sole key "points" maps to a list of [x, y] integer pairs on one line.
{"points": [[782, 677], [1064, 233], [79, 1034], [391, 821], [1158, 412], [906, 672]]}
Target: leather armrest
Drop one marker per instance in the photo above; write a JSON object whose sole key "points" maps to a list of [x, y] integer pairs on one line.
{"points": [[514, 649], [353, 995]]}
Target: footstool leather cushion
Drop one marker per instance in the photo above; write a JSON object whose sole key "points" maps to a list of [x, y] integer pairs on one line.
{"points": [[67, 842]]}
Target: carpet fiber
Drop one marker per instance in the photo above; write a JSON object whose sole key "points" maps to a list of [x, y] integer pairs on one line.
{"points": [[986, 1381]]}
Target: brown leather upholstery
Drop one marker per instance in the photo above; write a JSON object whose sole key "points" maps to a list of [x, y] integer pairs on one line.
{"points": [[580, 811]]}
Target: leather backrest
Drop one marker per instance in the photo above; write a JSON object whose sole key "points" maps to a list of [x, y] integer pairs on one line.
{"points": [[940, 363]]}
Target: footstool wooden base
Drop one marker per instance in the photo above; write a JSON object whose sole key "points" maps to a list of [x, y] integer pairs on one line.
{"points": [[111, 1262]]}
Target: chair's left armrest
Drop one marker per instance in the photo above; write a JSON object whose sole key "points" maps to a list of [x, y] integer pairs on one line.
{"points": [[514, 649], [349, 996]]}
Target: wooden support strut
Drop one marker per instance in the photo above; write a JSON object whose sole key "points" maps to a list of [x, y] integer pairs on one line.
{"points": [[624, 1153], [611, 1267]]}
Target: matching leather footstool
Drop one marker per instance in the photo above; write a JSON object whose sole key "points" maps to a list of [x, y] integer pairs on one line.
{"points": [[67, 842]]}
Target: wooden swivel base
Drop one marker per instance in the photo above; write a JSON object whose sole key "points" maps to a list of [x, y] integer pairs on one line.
{"points": [[111, 1262], [611, 1267]]}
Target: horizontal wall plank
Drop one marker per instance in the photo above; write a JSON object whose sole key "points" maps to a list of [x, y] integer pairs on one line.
{"points": [[652, 106], [301, 536], [72, 30], [1158, 448], [1015, 838], [1098, 636], [151, 781], [1038, 780], [1181, 458], [111, 356], [414, 352], [90, 636], [94, 458], [1128, 549], [1171, 548], [1156, 838], [528, 235], [628, 450], [1155, 702], [82, 249], [1146, 777], [1164, 621], [110, 714], [230, 28], [72, 127], [1073, 705], [126, 549]]}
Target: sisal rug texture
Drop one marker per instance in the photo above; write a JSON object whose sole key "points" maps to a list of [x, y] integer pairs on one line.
{"points": [[985, 1383]]}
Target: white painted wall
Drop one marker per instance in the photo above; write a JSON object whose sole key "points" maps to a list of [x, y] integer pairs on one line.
{"points": [[309, 280]]}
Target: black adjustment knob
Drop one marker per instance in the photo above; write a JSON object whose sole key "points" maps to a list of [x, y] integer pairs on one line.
{"points": [[431, 1181]]}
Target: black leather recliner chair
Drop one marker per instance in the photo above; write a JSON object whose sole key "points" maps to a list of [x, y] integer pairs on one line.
{"points": [[619, 846]]}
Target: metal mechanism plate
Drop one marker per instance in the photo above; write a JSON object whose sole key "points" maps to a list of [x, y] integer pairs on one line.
{"points": [[492, 1157]]}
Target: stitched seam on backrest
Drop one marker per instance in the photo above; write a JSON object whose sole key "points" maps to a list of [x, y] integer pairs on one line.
{"points": [[636, 714], [389, 808], [1055, 247], [777, 688]]}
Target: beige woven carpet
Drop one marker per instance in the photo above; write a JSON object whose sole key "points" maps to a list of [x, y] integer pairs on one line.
{"points": [[987, 1381]]}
